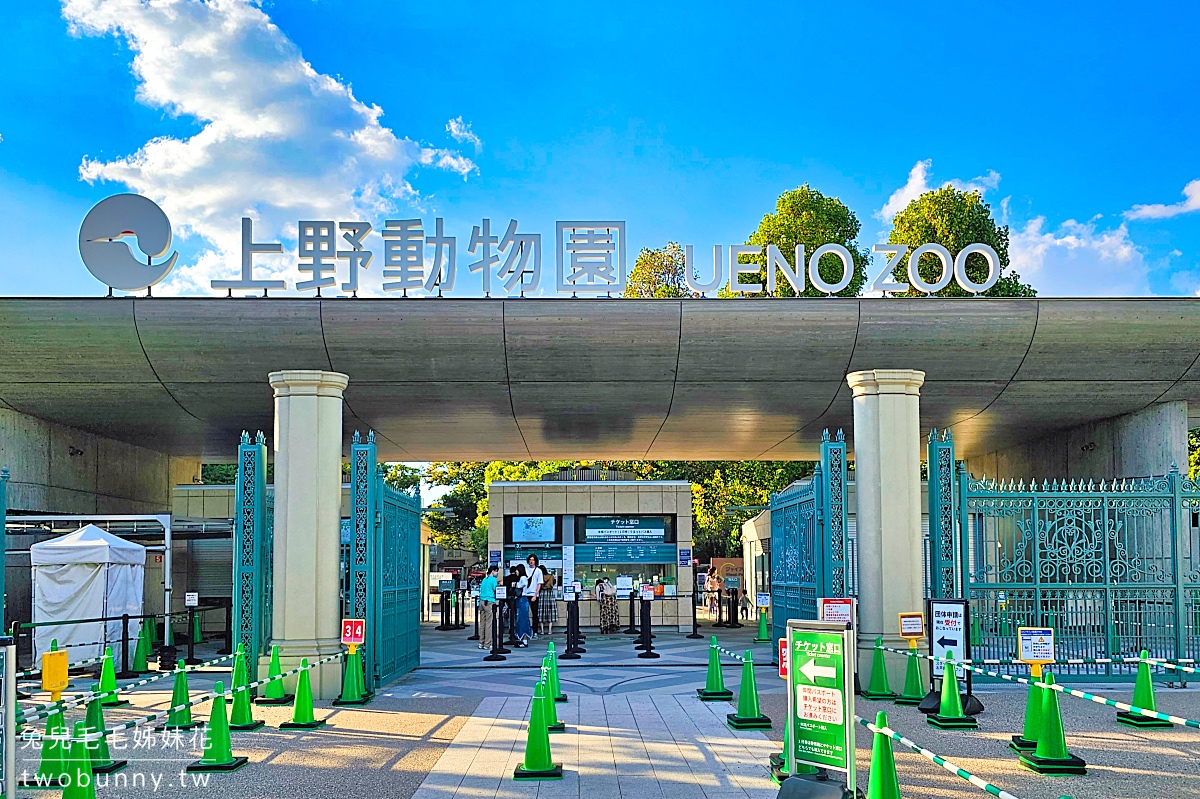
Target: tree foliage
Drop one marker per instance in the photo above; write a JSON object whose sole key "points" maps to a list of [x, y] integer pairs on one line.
{"points": [[658, 274], [955, 219], [1194, 454], [806, 216]]}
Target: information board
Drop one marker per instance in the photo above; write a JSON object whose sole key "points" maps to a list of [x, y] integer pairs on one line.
{"points": [[494, 557], [54, 672], [501, 593], [821, 696], [763, 600], [1036, 645], [445, 586], [912, 624], [534, 530], [191, 599], [685, 557], [625, 529], [836, 609], [568, 565], [732, 583], [648, 591], [948, 634]]}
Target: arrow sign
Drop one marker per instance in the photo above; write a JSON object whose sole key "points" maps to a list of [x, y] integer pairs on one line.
{"points": [[946, 643], [812, 671]]}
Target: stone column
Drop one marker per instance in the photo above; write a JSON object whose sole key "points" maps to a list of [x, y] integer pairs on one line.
{"points": [[887, 475], [306, 608]]}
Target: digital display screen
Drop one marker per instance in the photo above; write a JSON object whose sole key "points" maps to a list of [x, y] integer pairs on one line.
{"points": [[533, 530], [625, 530]]}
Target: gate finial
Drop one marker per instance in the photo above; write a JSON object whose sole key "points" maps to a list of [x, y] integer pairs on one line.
{"points": [[357, 437], [370, 436], [841, 437], [245, 437], [825, 435], [260, 439]]}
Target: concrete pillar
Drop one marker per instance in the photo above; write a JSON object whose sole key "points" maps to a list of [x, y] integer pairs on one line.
{"points": [[887, 475], [306, 615]]}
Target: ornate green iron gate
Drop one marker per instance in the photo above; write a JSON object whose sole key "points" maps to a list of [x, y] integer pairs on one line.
{"points": [[1114, 567], [254, 523], [384, 585], [808, 539]]}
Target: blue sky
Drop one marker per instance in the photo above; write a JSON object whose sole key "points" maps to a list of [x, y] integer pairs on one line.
{"points": [[1078, 121]]}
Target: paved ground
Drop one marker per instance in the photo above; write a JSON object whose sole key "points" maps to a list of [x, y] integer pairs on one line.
{"points": [[453, 728]]}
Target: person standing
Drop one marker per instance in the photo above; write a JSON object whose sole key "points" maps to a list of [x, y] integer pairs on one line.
{"points": [[529, 585], [534, 569], [547, 604], [609, 614], [487, 606], [515, 573]]}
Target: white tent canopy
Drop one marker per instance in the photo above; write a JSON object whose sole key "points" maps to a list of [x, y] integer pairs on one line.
{"points": [[87, 574]]}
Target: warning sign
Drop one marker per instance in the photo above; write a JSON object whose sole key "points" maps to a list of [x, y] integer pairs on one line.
{"points": [[836, 609], [1036, 645]]}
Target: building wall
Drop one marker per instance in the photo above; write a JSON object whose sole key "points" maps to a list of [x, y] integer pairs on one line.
{"points": [[58, 469], [648, 497], [1134, 445]]}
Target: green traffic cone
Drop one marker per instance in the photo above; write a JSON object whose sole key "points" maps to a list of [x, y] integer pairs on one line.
{"points": [[1027, 741], [1051, 756], [778, 761], [152, 625], [950, 714], [273, 693], [976, 631], [538, 764], [52, 766], [80, 784], [108, 681], [353, 690], [168, 632], [551, 709], [302, 711], [241, 718], [180, 719], [102, 762], [141, 651], [218, 754], [197, 632], [879, 687], [714, 689], [763, 636], [882, 782], [1143, 697], [748, 716], [555, 687], [914, 683]]}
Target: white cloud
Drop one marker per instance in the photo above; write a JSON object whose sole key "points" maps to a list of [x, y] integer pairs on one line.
{"points": [[279, 141], [461, 132], [1190, 202], [1078, 260], [918, 183]]}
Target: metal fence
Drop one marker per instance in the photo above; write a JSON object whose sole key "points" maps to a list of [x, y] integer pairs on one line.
{"points": [[1113, 566], [809, 549]]}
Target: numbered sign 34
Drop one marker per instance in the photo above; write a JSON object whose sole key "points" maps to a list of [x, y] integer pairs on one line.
{"points": [[354, 632]]}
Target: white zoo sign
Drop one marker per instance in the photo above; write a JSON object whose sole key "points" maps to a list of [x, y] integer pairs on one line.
{"points": [[589, 257]]}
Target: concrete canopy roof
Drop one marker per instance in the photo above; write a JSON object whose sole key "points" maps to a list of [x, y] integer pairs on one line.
{"points": [[615, 379]]}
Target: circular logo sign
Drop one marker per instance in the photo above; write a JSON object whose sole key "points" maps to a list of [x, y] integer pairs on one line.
{"points": [[104, 247]]}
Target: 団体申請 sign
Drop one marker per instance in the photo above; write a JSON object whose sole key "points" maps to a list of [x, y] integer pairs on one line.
{"points": [[590, 257]]}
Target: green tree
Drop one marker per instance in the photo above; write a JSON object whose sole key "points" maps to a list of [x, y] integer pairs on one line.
{"points": [[456, 529], [955, 219], [806, 216], [658, 274], [402, 477]]}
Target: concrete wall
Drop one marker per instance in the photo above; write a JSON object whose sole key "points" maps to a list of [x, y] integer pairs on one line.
{"points": [[535, 498], [1134, 445], [58, 469]]}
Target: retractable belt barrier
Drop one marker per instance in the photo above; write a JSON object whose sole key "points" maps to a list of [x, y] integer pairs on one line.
{"points": [[1100, 700], [957, 771], [162, 714], [44, 711]]}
